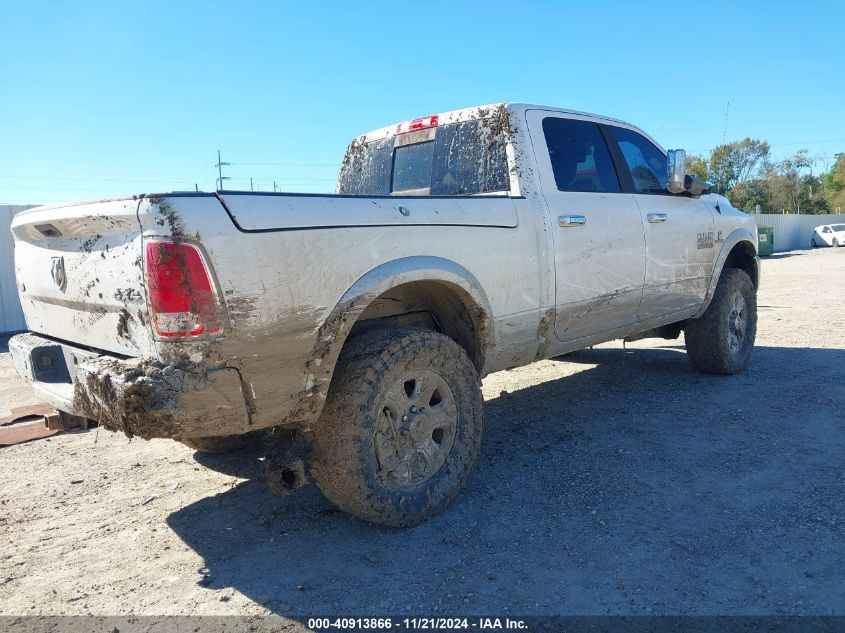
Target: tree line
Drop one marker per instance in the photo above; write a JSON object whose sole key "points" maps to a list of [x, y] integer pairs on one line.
{"points": [[744, 172]]}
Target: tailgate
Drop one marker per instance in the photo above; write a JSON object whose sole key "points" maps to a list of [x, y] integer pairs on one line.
{"points": [[80, 274]]}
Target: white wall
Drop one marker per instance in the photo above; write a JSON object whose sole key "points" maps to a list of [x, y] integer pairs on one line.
{"points": [[11, 317], [793, 232]]}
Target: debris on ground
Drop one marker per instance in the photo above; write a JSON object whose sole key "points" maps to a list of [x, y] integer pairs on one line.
{"points": [[24, 424]]}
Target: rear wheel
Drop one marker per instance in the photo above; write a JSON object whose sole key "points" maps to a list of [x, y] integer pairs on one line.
{"points": [[813, 243], [401, 428], [835, 242], [720, 340]]}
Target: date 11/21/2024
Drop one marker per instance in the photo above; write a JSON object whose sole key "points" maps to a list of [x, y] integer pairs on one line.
{"points": [[417, 623]]}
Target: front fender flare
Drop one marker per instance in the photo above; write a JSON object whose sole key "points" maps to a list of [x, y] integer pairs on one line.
{"points": [[735, 237]]}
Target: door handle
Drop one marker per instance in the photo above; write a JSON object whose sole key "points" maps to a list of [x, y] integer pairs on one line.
{"points": [[572, 220], [657, 217]]}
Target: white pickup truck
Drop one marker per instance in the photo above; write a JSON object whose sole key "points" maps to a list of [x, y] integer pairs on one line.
{"points": [[457, 245]]}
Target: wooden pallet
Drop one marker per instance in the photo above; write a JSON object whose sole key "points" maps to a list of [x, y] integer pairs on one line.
{"points": [[28, 423]]}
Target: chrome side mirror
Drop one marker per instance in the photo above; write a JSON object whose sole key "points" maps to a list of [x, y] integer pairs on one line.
{"points": [[677, 171]]}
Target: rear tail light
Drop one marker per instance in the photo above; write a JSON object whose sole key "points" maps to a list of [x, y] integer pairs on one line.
{"points": [[422, 123], [182, 298]]}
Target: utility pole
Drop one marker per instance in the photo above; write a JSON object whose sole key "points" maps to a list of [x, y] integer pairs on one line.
{"points": [[250, 185], [725, 129], [220, 177]]}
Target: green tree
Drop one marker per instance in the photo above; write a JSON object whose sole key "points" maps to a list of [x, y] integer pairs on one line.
{"points": [[697, 166], [743, 171], [734, 163], [793, 190], [834, 184], [811, 196], [749, 194]]}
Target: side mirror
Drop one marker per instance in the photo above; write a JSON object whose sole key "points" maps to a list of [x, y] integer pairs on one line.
{"points": [[677, 171], [696, 186], [677, 179]]}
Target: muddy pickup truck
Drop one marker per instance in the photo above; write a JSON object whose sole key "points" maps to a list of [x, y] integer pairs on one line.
{"points": [[360, 324]]}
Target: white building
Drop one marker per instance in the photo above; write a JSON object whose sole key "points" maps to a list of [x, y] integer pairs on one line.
{"points": [[11, 317]]}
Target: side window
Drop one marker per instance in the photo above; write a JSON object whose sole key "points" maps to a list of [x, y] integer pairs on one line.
{"points": [[827, 230], [646, 162], [579, 155]]}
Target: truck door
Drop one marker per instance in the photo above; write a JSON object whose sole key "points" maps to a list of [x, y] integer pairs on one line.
{"points": [[598, 235], [679, 237]]}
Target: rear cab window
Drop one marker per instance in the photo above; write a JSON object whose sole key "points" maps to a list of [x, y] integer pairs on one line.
{"points": [[455, 159]]}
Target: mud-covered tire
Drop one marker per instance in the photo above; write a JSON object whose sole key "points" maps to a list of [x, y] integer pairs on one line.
{"points": [[714, 345], [348, 460], [224, 443]]}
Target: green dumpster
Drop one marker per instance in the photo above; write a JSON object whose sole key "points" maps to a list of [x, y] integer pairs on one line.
{"points": [[765, 240]]}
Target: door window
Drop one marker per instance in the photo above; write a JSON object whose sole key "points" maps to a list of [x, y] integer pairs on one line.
{"points": [[647, 164], [579, 155]]}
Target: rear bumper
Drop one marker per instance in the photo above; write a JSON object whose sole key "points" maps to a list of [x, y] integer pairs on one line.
{"points": [[142, 397]]}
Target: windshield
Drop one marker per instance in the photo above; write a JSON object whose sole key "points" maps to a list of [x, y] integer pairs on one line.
{"points": [[838, 227], [450, 160]]}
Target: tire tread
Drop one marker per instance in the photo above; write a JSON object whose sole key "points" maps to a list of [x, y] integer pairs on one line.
{"points": [[341, 434], [707, 347]]}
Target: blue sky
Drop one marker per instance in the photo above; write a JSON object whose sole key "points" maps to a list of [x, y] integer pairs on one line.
{"points": [[107, 98]]}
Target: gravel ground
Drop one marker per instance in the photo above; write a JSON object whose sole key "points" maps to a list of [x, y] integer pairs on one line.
{"points": [[611, 481]]}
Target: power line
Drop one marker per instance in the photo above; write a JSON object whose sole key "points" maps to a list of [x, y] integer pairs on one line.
{"points": [[280, 179], [694, 150], [335, 165], [82, 179], [830, 140], [52, 189], [191, 187], [157, 180], [112, 190], [219, 166]]}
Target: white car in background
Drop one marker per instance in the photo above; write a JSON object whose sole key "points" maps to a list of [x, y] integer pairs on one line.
{"points": [[828, 235]]}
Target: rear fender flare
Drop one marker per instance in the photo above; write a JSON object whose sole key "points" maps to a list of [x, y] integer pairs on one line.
{"points": [[335, 329]]}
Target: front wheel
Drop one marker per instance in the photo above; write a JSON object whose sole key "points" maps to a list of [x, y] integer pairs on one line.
{"points": [[720, 340], [401, 427]]}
